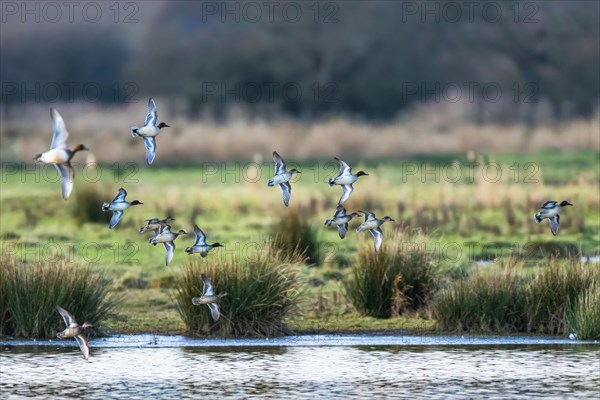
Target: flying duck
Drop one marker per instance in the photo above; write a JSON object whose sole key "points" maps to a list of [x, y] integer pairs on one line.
{"points": [[345, 179], [341, 219], [209, 298], [200, 245], [282, 177], [154, 224], [373, 225], [74, 330], [117, 206], [59, 155], [167, 238], [149, 131], [551, 210]]}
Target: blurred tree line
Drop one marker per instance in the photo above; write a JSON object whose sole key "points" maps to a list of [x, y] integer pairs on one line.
{"points": [[368, 59]]}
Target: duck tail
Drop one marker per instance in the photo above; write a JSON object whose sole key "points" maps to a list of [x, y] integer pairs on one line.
{"points": [[134, 131], [328, 222], [270, 183], [537, 217], [105, 206], [330, 182]]}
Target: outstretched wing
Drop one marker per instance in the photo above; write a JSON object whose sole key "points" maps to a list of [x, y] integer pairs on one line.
{"points": [[121, 194], [170, 247], [554, 221], [150, 143], [279, 164], [66, 178], [368, 215], [214, 311], [549, 204], [340, 212], [116, 217], [346, 191], [377, 237], [83, 346], [344, 168], [200, 236], [286, 190], [152, 116], [342, 229], [67, 317], [59, 140], [207, 289]]}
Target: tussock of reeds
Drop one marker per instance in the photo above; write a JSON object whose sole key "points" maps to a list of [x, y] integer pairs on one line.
{"points": [[30, 292], [294, 233], [558, 299], [398, 278], [263, 292], [88, 205]]}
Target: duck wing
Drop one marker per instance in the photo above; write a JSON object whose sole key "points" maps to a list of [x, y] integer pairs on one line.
{"points": [[340, 212], [83, 346], [59, 140], [368, 215], [114, 220], [286, 190], [377, 237], [67, 317], [66, 178], [214, 311], [549, 204], [344, 168], [121, 194], [279, 164], [207, 289], [200, 236], [170, 247], [150, 143], [152, 115], [346, 191], [342, 229], [554, 224]]}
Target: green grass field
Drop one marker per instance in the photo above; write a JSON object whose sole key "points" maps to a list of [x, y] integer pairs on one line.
{"points": [[471, 207]]}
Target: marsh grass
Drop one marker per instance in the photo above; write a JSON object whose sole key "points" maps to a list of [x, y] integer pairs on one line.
{"points": [[30, 292], [584, 317], [293, 233], [400, 277], [263, 293], [549, 301], [88, 205]]}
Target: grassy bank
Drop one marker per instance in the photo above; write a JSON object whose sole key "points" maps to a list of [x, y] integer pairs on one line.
{"points": [[464, 221]]}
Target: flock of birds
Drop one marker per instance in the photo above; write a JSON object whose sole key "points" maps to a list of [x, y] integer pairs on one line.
{"points": [[60, 156]]}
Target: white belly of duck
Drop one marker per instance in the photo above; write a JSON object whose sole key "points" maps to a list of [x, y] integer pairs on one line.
{"points": [[56, 156], [149, 131], [164, 237], [281, 178], [201, 249], [549, 213], [345, 180], [368, 225], [120, 206]]}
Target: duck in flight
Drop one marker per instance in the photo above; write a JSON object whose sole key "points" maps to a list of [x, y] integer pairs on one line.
{"points": [[374, 226], [345, 179], [149, 131], [209, 298], [341, 219], [117, 206], [74, 330], [282, 178], [200, 246], [59, 155], [167, 238], [551, 210]]}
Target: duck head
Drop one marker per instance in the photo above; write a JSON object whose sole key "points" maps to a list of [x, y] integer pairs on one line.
{"points": [[79, 147], [182, 232], [294, 171], [136, 202], [217, 245], [386, 218], [188, 250], [86, 325], [361, 173], [162, 125], [354, 214], [38, 156], [565, 203]]}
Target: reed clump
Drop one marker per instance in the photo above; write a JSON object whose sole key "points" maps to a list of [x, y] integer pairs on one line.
{"points": [[262, 294], [30, 292], [556, 299], [294, 233], [88, 205], [400, 277]]}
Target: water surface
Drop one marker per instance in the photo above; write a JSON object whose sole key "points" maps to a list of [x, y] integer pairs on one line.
{"points": [[324, 366]]}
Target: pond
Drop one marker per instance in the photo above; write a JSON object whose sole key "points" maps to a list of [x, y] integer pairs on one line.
{"points": [[322, 366]]}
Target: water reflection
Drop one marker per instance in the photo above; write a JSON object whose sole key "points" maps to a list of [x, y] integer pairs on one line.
{"points": [[304, 371]]}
